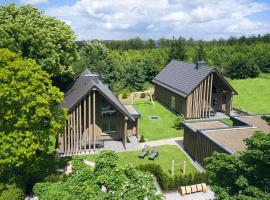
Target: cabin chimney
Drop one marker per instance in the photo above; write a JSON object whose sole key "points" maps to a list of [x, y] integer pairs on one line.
{"points": [[89, 77], [199, 64]]}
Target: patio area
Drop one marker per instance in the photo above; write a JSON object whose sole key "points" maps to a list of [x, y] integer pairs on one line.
{"points": [[113, 145]]}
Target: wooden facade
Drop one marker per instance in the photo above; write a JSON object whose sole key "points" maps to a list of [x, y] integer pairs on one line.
{"points": [[84, 126], [199, 146], [210, 95]]}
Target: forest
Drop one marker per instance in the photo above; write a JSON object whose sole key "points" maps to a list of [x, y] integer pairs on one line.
{"points": [[132, 64]]}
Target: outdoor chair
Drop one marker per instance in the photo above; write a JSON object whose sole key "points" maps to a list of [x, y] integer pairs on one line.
{"points": [[154, 153], [144, 152]]}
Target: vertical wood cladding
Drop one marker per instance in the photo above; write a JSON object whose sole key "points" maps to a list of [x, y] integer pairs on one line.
{"points": [[201, 100], [164, 96], [199, 146], [84, 126]]}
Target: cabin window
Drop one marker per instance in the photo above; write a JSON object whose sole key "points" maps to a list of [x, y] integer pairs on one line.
{"points": [[108, 128], [172, 101], [107, 110]]}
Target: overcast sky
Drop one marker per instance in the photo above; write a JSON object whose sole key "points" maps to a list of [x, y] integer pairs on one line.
{"points": [[124, 19]]}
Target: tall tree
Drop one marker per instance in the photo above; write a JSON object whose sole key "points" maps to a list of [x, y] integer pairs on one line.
{"points": [[200, 53], [93, 55], [248, 171], [29, 113], [177, 49], [27, 31]]}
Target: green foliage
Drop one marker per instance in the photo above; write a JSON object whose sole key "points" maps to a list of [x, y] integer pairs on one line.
{"points": [[27, 31], [125, 94], [248, 171], [11, 192], [106, 159], [177, 49], [200, 53], [179, 122], [241, 67], [169, 182], [127, 183], [267, 119], [29, 112], [135, 77], [142, 139], [93, 56]]}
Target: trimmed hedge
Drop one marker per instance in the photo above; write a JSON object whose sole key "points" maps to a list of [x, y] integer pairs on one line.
{"points": [[169, 182]]}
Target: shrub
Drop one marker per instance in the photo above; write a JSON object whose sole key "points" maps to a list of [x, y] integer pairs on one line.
{"points": [[179, 122], [142, 139], [169, 182], [241, 67], [12, 192], [125, 94]]}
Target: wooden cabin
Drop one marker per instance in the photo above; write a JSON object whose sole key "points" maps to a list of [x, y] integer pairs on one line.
{"points": [[95, 115], [194, 90]]}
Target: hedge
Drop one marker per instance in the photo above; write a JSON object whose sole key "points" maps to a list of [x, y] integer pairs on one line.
{"points": [[169, 182]]}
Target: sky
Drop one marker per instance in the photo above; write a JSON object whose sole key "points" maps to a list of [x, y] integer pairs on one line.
{"points": [[125, 19]]}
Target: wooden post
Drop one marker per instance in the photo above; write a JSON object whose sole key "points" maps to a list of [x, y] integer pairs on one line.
{"points": [[69, 130], [125, 133], [211, 85], [80, 126], [89, 122], [73, 131], [65, 137], [94, 119], [207, 96], [172, 167], [76, 130], [84, 123], [137, 129], [184, 167]]}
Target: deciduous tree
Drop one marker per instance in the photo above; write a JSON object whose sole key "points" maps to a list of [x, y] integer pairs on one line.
{"points": [[29, 112]]}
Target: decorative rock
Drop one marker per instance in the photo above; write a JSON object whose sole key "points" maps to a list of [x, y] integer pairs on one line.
{"points": [[104, 189], [68, 168], [89, 163]]}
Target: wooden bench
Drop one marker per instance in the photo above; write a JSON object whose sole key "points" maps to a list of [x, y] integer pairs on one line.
{"points": [[192, 189]]}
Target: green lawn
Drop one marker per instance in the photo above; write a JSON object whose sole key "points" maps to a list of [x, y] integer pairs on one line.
{"points": [[156, 129], [254, 94], [167, 154]]}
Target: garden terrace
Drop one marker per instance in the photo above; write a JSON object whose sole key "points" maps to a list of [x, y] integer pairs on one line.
{"points": [[167, 153]]}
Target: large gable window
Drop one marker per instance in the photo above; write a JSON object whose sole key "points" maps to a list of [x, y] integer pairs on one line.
{"points": [[108, 128]]}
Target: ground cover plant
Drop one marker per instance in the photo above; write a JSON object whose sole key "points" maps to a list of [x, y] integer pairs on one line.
{"points": [[167, 153], [162, 128], [106, 181], [254, 94]]}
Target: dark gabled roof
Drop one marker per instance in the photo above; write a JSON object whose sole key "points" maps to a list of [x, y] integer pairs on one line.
{"points": [[81, 87], [183, 77]]}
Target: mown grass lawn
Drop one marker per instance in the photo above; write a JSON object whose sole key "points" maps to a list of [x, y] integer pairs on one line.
{"points": [[254, 94], [167, 153], [156, 129]]}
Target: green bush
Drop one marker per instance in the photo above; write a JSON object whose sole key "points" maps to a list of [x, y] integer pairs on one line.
{"points": [[169, 182], [125, 94], [12, 192], [179, 122], [142, 139]]}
